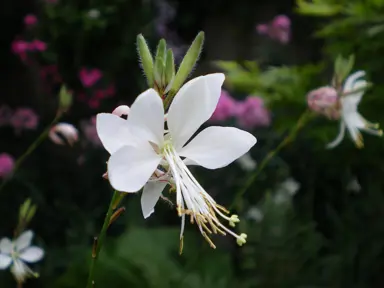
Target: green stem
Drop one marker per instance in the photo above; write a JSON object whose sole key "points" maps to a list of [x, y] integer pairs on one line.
{"points": [[288, 139], [31, 148], [99, 241]]}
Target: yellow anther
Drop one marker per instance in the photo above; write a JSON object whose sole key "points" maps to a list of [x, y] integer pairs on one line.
{"points": [[181, 245], [380, 132], [209, 240], [233, 220], [242, 239]]}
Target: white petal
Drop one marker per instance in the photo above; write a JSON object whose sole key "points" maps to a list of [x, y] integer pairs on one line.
{"points": [[190, 162], [351, 101], [350, 81], [150, 196], [24, 240], [5, 261], [146, 117], [20, 270], [216, 147], [32, 254], [6, 246], [131, 167], [192, 106], [113, 131], [339, 137]]}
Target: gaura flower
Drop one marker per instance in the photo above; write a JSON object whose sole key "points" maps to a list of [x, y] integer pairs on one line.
{"points": [[64, 131], [16, 254], [144, 154], [350, 118]]}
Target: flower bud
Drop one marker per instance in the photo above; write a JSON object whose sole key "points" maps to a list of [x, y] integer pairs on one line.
{"points": [[64, 133], [122, 110], [324, 101]]}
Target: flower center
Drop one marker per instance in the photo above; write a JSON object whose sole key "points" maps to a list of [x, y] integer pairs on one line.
{"points": [[193, 201]]}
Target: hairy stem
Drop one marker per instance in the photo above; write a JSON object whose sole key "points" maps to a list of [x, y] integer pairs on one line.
{"points": [[31, 148], [98, 243]]}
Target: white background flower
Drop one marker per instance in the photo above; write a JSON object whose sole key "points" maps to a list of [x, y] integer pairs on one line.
{"points": [[138, 145], [350, 117], [15, 254]]}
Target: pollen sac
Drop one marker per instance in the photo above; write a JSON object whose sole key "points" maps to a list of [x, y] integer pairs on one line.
{"points": [[324, 101]]}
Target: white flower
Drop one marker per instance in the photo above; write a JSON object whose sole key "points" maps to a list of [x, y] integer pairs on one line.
{"points": [[140, 145], [66, 131], [350, 117], [19, 252]]}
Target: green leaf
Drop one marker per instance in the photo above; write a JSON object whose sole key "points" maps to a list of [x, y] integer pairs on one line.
{"points": [[318, 8]]}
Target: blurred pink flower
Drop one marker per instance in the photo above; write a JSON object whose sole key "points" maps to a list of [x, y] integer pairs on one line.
{"points": [[64, 133], [324, 101], [278, 29], [38, 45], [251, 113], [89, 77], [5, 115], [88, 128], [7, 164], [226, 108], [19, 46], [24, 118], [262, 29], [30, 20]]}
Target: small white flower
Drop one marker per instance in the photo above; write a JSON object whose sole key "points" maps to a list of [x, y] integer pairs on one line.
{"points": [[66, 131], [19, 252], [140, 145], [93, 13], [255, 214], [246, 162], [350, 117], [290, 186]]}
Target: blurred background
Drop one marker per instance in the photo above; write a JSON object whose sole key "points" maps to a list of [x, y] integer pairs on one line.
{"points": [[313, 216]]}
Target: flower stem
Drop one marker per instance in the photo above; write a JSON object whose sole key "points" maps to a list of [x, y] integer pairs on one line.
{"points": [[288, 139], [99, 240], [31, 148]]}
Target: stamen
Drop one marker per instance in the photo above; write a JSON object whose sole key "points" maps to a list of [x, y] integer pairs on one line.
{"points": [[199, 205]]}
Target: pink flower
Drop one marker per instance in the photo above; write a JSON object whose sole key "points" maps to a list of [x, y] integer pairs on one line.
{"points": [[5, 115], [30, 20], [38, 45], [89, 77], [24, 118], [64, 133], [226, 108], [251, 113], [88, 128], [278, 29], [324, 101], [262, 29], [19, 46], [6, 165]]}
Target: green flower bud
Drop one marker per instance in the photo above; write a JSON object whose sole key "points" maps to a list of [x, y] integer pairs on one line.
{"points": [[146, 59]]}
